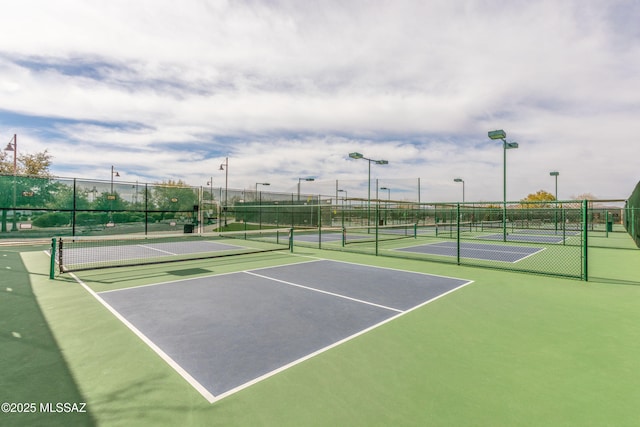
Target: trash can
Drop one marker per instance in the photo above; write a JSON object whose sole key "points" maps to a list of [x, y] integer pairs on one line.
{"points": [[609, 225], [188, 228]]}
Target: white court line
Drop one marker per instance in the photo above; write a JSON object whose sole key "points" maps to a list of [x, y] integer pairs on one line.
{"points": [[439, 245], [531, 254], [324, 292], [164, 356], [212, 398], [335, 344], [156, 249]]}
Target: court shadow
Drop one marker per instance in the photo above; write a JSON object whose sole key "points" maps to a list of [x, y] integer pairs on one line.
{"points": [[611, 281], [32, 365]]}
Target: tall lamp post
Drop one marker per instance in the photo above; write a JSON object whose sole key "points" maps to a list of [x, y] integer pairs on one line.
{"points": [[13, 146], [225, 167], [388, 192], [111, 195], [357, 156], [113, 173], [344, 200], [500, 134], [462, 181], [555, 174], [260, 183], [210, 184], [309, 179], [388, 201]]}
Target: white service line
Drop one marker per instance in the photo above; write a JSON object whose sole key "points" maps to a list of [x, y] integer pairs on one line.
{"points": [[325, 292]]}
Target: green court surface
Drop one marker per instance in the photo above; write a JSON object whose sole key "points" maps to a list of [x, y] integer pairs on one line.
{"points": [[509, 349]]}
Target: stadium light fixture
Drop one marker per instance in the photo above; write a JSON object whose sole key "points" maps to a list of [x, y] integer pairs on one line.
{"points": [[501, 134], [308, 179], [388, 192], [462, 181], [356, 156], [260, 183]]}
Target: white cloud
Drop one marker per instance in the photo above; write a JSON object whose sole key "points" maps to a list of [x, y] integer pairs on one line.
{"points": [[287, 89]]}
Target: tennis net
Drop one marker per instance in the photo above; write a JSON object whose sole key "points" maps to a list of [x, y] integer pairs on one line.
{"points": [[78, 253], [365, 234]]}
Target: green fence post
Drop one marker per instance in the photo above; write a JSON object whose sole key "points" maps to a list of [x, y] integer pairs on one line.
{"points": [[458, 233], [585, 234], [319, 223], [291, 239], [377, 221], [52, 264]]}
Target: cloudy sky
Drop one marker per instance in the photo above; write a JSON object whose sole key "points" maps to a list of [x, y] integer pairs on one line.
{"points": [[286, 89]]}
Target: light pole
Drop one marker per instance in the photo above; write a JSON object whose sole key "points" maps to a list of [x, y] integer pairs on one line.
{"points": [[462, 181], [225, 167], [111, 197], [555, 174], [388, 192], [500, 134], [260, 183], [388, 202], [113, 173], [13, 147], [357, 156], [309, 179], [344, 199], [210, 184]]}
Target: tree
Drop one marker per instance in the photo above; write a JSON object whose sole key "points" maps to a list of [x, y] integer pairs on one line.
{"points": [[36, 165], [537, 199], [27, 164], [539, 196], [173, 196]]}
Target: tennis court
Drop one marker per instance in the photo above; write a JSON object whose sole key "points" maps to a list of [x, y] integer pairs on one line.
{"points": [[481, 251], [225, 332]]}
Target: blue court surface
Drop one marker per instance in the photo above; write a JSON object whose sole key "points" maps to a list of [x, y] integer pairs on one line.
{"points": [[489, 252], [223, 333]]}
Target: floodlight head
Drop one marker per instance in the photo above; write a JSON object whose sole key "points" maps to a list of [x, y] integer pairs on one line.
{"points": [[509, 145], [554, 173], [382, 162], [458, 180], [355, 155], [385, 188], [497, 134], [265, 183]]}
